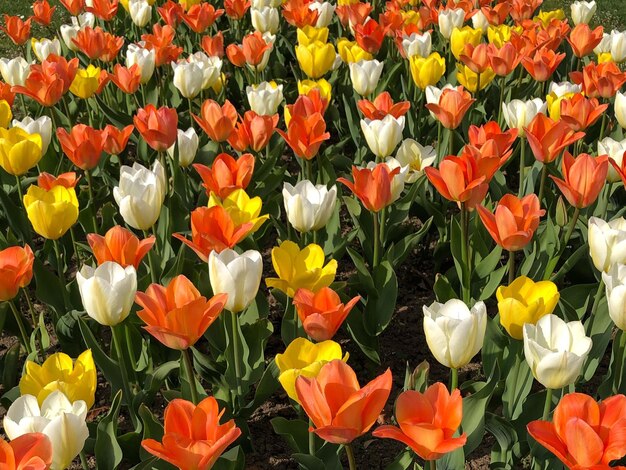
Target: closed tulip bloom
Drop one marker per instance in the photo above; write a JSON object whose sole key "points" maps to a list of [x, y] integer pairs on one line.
{"points": [[427, 422], [238, 275], [582, 11], [44, 47], [580, 112], [41, 126], [583, 178], [504, 60], [265, 19], [75, 379], [32, 451], [305, 134], [600, 81], [61, 421], [265, 98], [518, 114], [316, 59], [607, 242], [452, 106], [253, 131], [350, 51], [309, 207], [364, 76], [476, 58], [5, 113], [188, 78], [73, 7], [471, 80], [140, 12], [119, 245], [83, 145], [140, 194], [383, 135], [19, 150], [177, 314], [300, 268], [615, 282], [417, 45], [618, 46], [16, 270], [449, 20], [340, 409], [42, 12], [145, 60], [461, 37], [415, 157], [226, 174], [317, 91], [217, 121], [548, 138], [14, 71], [325, 12], [525, 301], [47, 181], [615, 150], [427, 71], [620, 109], [157, 126], [16, 29], [116, 140], [376, 185], [187, 148], [126, 79], [193, 438], [555, 350], [210, 67], [53, 212], [583, 39], [242, 208], [542, 64]]}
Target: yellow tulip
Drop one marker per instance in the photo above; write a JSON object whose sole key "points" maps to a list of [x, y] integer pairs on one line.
{"points": [[325, 88], [77, 380], [350, 51], [242, 208], [298, 268], [461, 37], [53, 212], [86, 82], [310, 34], [546, 16], [605, 57], [554, 104], [187, 4], [218, 84], [525, 301], [316, 59], [499, 35], [410, 17], [346, 2], [427, 71], [5, 113], [304, 358], [469, 79], [19, 150]]}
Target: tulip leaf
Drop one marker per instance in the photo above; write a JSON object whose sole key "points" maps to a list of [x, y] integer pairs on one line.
{"points": [[367, 343], [381, 304], [15, 217], [398, 252], [265, 388], [474, 406], [108, 366], [489, 263], [363, 272], [402, 462], [232, 459], [518, 382], [295, 432], [615, 382], [48, 287], [155, 379], [151, 427], [507, 442], [107, 449], [442, 289], [10, 367]]}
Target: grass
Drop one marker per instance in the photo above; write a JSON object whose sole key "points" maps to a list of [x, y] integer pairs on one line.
{"points": [[610, 13]]}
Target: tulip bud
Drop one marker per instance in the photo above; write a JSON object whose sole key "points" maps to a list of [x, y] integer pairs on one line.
{"points": [[188, 143], [308, 206], [480, 21], [615, 282], [454, 333], [364, 75], [14, 71], [383, 135], [188, 79], [417, 45], [44, 47], [144, 58], [238, 275], [561, 218], [518, 114], [618, 46], [615, 150], [265, 19], [265, 98], [413, 155], [325, 10], [140, 12], [582, 12], [607, 242], [620, 109], [449, 20], [211, 67], [41, 126], [555, 350]]}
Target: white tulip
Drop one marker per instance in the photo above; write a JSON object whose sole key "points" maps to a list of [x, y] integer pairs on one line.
{"points": [[607, 242], [265, 3], [145, 58], [449, 20], [480, 21], [383, 135], [211, 67], [563, 88], [620, 109], [188, 143], [188, 78], [265, 19], [238, 275], [69, 31], [41, 126], [417, 45], [415, 157], [555, 350], [604, 45], [308, 206], [582, 12], [518, 113], [615, 150], [454, 333], [618, 46], [140, 194], [325, 10], [44, 47], [364, 75], [108, 291], [14, 71], [615, 282], [140, 12], [265, 98], [61, 421]]}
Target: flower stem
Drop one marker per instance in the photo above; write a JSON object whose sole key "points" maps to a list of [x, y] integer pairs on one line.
{"points": [[351, 459], [432, 465], [454, 379], [511, 267], [117, 344], [522, 167], [554, 261], [465, 281], [544, 178], [83, 460], [376, 240], [153, 275], [91, 201], [19, 190], [235, 343], [60, 272], [311, 439], [547, 405], [75, 246], [190, 375], [20, 325]]}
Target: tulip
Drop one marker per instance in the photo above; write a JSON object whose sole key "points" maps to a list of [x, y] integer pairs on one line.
{"points": [[176, 314], [583, 178], [140, 12], [158, 127], [193, 438], [317, 91], [305, 134], [525, 301], [47, 181], [126, 79], [460, 37], [226, 174], [61, 421], [417, 45], [265, 19], [325, 12], [620, 109], [236, 9], [370, 35], [41, 126], [42, 12], [83, 145], [217, 121], [607, 242], [14, 71], [254, 51], [472, 81], [241, 208], [582, 11], [449, 20], [300, 268], [383, 135], [315, 59], [618, 46], [19, 150], [265, 98], [188, 78], [253, 131], [427, 71], [600, 81], [201, 16], [350, 51], [73, 7], [364, 76], [547, 138], [5, 113], [53, 212], [309, 207], [382, 106], [427, 422], [615, 151], [210, 67], [16, 270], [452, 106], [558, 92], [75, 379], [615, 281], [542, 64], [187, 147], [121, 246], [98, 44], [339, 408], [44, 47], [503, 60], [580, 113], [16, 29], [518, 114], [238, 275], [415, 157], [116, 140], [161, 42], [377, 185], [31, 451], [583, 433], [140, 194], [144, 58], [583, 40], [555, 350]]}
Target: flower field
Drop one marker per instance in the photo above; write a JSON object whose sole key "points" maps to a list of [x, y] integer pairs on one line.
{"points": [[307, 234]]}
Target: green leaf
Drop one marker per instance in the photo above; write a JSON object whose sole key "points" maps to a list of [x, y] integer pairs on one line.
{"points": [[517, 385], [109, 367], [232, 459], [474, 406], [10, 367], [295, 432], [381, 303], [108, 451]]}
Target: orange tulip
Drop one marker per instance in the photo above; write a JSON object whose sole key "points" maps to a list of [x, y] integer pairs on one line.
{"points": [[542, 64], [176, 314], [382, 105], [253, 131], [579, 112], [297, 13], [17, 29], [119, 245], [16, 270], [171, 13], [158, 127], [236, 9], [115, 140], [193, 438], [584, 434], [83, 145], [497, 14], [126, 79], [491, 136], [42, 12], [103, 9], [620, 169], [476, 58], [200, 17], [427, 421], [214, 45], [161, 42], [583, 40], [213, 229], [6, 94], [305, 134], [217, 121], [322, 312], [73, 7], [226, 174], [524, 9], [373, 186], [250, 52], [340, 409], [583, 178], [98, 44], [547, 138], [370, 36], [31, 451], [354, 13], [514, 222], [47, 181], [452, 106], [600, 80], [307, 105], [46, 89], [504, 60]]}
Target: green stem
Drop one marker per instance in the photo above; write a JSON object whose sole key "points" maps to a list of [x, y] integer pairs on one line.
{"points": [[235, 343], [153, 275], [554, 261], [542, 184], [30, 307], [20, 325], [465, 281], [92, 202], [383, 218], [454, 379], [511, 267], [547, 405], [351, 459], [311, 439], [19, 190], [131, 352], [603, 126], [594, 307], [376, 239], [83, 460], [432, 465], [117, 345], [75, 246], [190, 375], [450, 142], [502, 82], [60, 273], [522, 167]]}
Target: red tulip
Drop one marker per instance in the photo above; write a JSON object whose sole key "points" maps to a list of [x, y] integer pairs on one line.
{"points": [[83, 145]]}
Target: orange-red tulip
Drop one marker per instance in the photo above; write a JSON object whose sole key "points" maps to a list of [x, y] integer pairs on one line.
{"points": [[620, 168], [427, 421], [600, 80], [583, 40], [524, 9], [42, 12], [121, 246], [83, 145], [236, 9], [115, 140], [200, 17], [583, 178], [6, 94], [307, 105], [373, 186], [491, 135], [542, 64], [579, 112], [305, 134], [16, 270], [58, 67], [297, 13], [253, 131], [17, 29], [547, 138], [73, 7], [46, 89], [171, 13], [177, 314], [103, 9], [214, 45], [161, 42], [340, 409], [476, 58], [193, 438], [98, 44], [226, 174], [584, 434], [126, 79], [31, 451], [322, 312], [47, 181], [158, 127], [504, 60], [370, 36], [382, 105], [250, 52], [452, 106], [497, 14], [217, 121], [354, 13]]}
